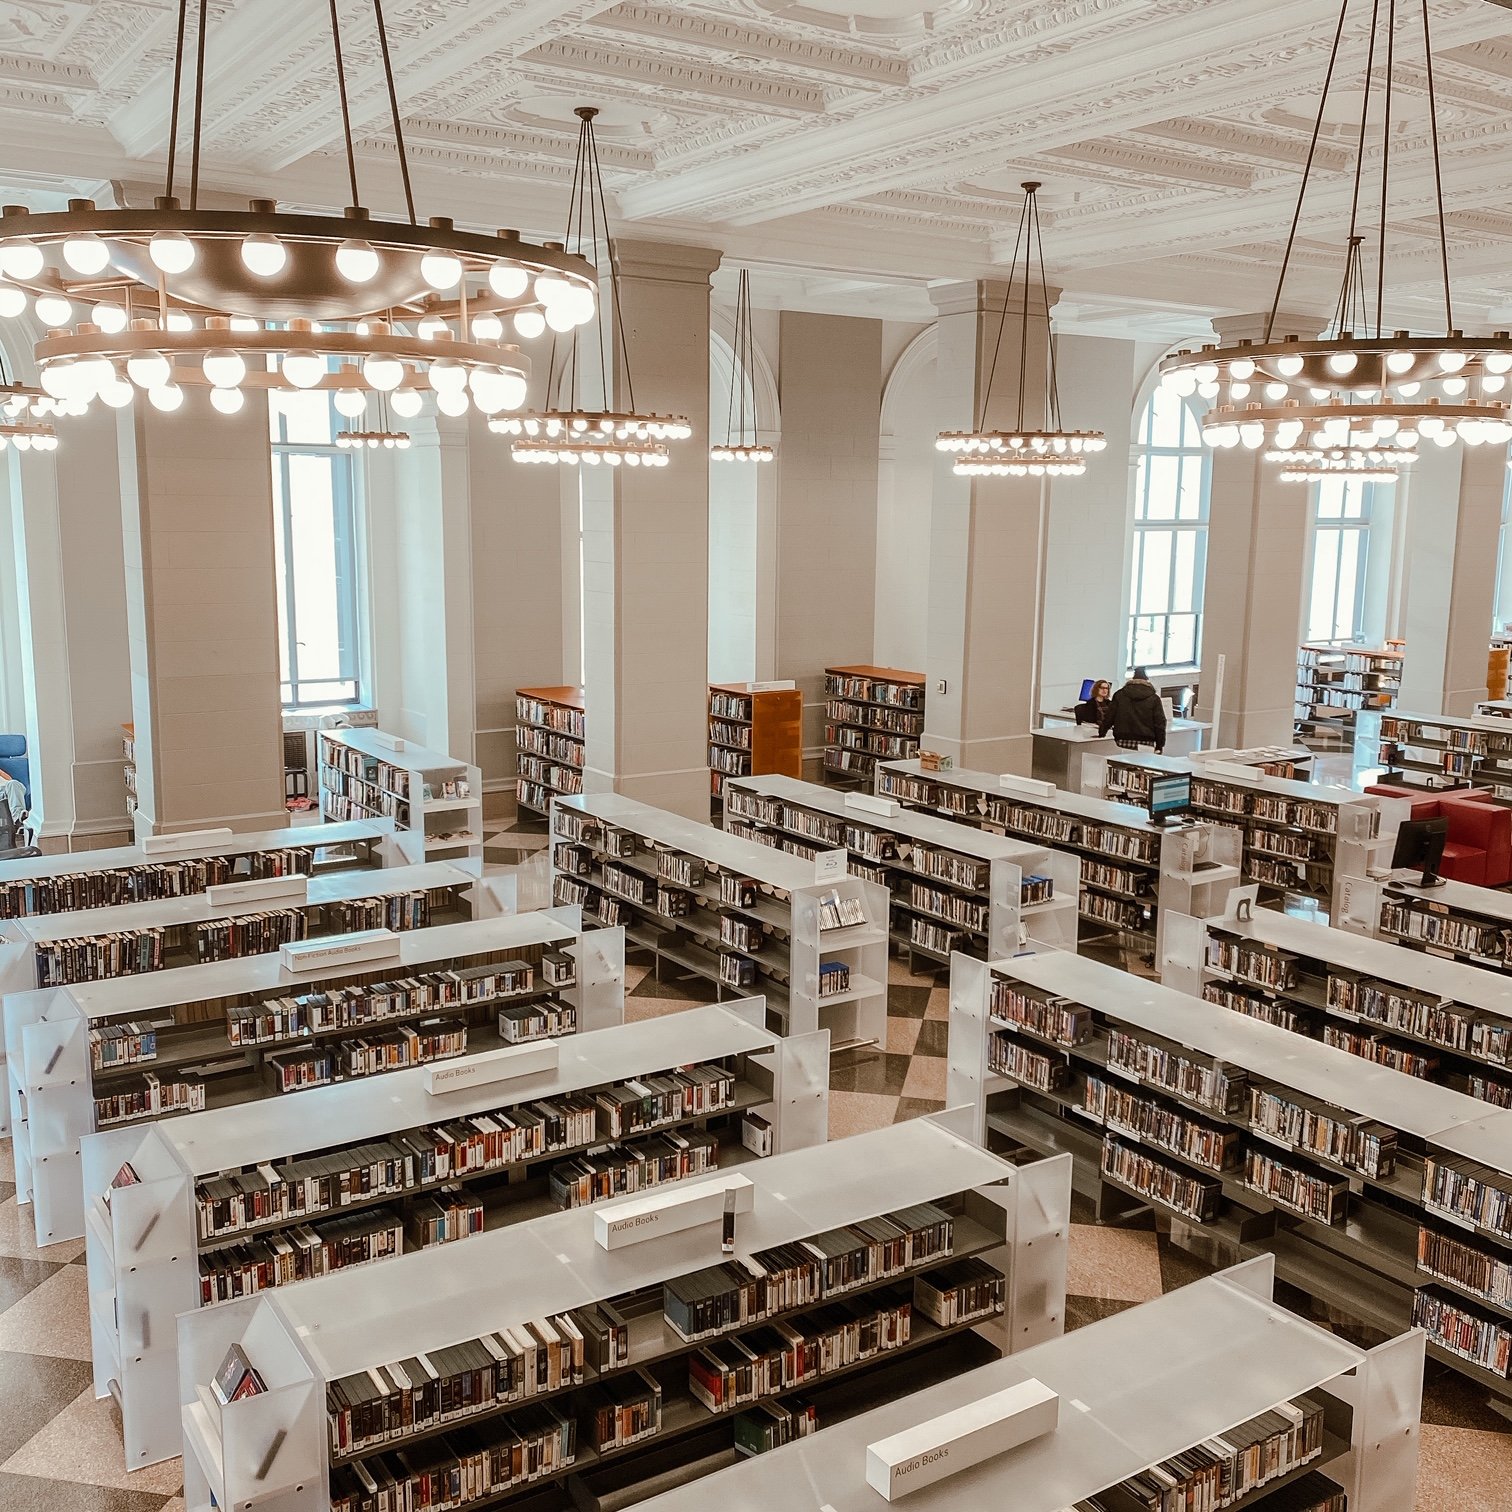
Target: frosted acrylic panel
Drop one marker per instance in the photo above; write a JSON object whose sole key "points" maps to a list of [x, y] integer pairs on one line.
{"points": [[966, 1039], [1040, 1239], [1387, 1433], [56, 1053], [803, 1088], [600, 990], [1182, 946]]}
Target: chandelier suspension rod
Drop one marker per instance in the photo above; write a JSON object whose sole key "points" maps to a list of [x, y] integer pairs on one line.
{"points": [[1024, 313], [748, 368], [997, 345], [734, 378], [346, 114], [1312, 148], [1054, 385], [1359, 173], [178, 85], [1385, 167], [1438, 173], [199, 106], [393, 94], [606, 350], [596, 183]]}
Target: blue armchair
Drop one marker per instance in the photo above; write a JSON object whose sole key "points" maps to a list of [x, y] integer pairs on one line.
{"points": [[15, 762]]}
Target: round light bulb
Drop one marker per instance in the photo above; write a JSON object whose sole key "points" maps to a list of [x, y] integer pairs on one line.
{"points": [[508, 280], [263, 254], [303, 369], [441, 270], [1452, 362], [1252, 434], [384, 373], [351, 403], [227, 400], [20, 259], [56, 379], [447, 377], [356, 261], [171, 252], [1498, 362], [149, 370], [432, 327], [1430, 425], [514, 391], [529, 323], [1341, 363], [110, 317], [582, 302], [224, 368], [406, 403], [452, 401], [487, 328], [1399, 362], [1289, 366], [1276, 391], [117, 393], [167, 397], [179, 320], [562, 317], [1455, 385], [85, 253], [12, 301], [53, 310], [1242, 368]]}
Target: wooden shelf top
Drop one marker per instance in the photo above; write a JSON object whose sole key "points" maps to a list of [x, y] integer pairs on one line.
{"points": [[569, 696], [881, 674]]}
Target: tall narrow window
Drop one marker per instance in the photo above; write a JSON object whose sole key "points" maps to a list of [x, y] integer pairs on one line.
{"points": [[1172, 478], [1501, 610], [1341, 554], [314, 513]]}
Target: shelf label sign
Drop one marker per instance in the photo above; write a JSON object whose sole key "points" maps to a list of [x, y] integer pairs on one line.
{"points": [[830, 866]]}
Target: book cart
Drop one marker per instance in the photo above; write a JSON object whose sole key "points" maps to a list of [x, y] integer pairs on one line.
{"points": [[871, 714], [753, 728], [196, 1230], [1133, 872], [953, 886], [237, 1031], [551, 731], [435, 801], [1441, 1020], [807, 936], [973, 1241], [1142, 1389], [1383, 1196]]}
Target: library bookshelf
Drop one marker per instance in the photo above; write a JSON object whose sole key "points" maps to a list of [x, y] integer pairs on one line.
{"points": [[129, 771], [1002, 1225], [871, 714], [953, 886], [1124, 776], [177, 865], [264, 1027], [1133, 872], [1443, 750], [1336, 683], [754, 728], [551, 732], [1198, 1351], [196, 1230], [1379, 1194], [747, 917], [1457, 920], [435, 801]]}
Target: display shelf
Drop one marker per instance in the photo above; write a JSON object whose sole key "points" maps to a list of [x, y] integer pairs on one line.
{"points": [[1454, 920], [550, 746], [622, 860], [1124, 776], [1013, 1218], [953, 886], [1445, 751], [1133, 872], [57, 1095], [1340, 1168], [1335, 683], [187, 1161], [1442, 1020], [435, 801], [754, 728], [129, 771], [1137, 1389], [871, 714]]}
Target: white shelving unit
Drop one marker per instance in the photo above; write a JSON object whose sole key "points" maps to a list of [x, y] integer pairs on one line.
{"points": [[53, 1086], [1133, 872], [373, 774], [1136, 1389], [303, 1337], [930, 865], [1443, 750], [1375, 1166], [788, 892], [1454, 920], [145, 1245], [1124, 776]]}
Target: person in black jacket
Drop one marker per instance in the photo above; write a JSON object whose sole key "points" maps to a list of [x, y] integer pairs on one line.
{"points": [[1094, 710], [1136, 715]]}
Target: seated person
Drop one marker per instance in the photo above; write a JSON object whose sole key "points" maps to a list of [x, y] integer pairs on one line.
{"points": [[1098, 709], [14, 796]]}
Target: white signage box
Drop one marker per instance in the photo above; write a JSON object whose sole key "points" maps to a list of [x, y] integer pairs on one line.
{"points": [[670, 1212], [868, 803], [388, 742], [955, 1441], [1030, 787], [339, 950], [493, 1066], [293, 888], [1236, 769], [156, 845]]}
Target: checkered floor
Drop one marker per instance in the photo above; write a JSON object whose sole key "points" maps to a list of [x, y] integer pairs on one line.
{"points": [[60, 1449]]}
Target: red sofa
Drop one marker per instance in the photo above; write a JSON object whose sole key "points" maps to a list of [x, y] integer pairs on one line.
{"points": [[1479, 847]]}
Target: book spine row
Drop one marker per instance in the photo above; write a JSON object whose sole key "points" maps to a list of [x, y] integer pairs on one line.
{"points": [[618, 1170], [1051, 1017], [1363, 1145], [1272, 969], [558, 748], [1253, 1005], [1194, 1197], [1383, 1052], [1457, 1327], [1031, 1068], [964, 913], [148, 1098], [300, 1254], [1177, 1133], [1469, 1191], [1215, 1088], [1453, 1258], [559, 717], [1313, 1195]]}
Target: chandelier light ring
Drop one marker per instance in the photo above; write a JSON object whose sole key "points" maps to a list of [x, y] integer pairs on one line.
{"points": [[24, 413]]}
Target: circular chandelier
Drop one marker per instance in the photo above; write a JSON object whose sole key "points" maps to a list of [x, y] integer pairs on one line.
{"points": [[1357, 400], [735, 447], [153, 299], [602, 435], [23, 417], [1023, 451]]}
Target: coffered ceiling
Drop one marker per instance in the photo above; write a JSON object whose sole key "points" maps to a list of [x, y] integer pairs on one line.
{"points": [[852, 151]]}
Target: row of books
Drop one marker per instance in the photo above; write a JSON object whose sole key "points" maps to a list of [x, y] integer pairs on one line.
{"points": [[741, 933], [520, 1023], [874, 742], [939, 939], [300, 1253], [1489, 1089], [1383, 1051], [1125, 914], [353, 763], [553, 716], [1256, 1005], [558, 776], [126, 1044], [730, 763], [1110, 877], [1126, 844], [723, 733], [618, 1169], [1457, 1327], [947, 866], [1312, 1194], [1272, 969], [1447, 1023], [1046, 1014], [742, 1292], [94, 957], [1173, 1130], [580, 829], [358, 1005], [148, 1097], [550, 744], [533, 795], [834, 978], [632, 886], [1034, 823], [757, 807], [872, 716], [848, 762], [446, 1216], [1317, 1128], [770, 1425], [392, 1049], [1452, 1257], [1273, 872], [1286, 847], [954, 908], [724, 705], [1450, 931], [1220, 1089], [1467, 1190], [1031, 1068], [871, 843], [490, 1141], [1194, 1197], [363, 796], [902, 695]]}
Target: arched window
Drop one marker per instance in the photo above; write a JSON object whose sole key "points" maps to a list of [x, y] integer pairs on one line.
{"points": [[1338, 611], [1172, 477]]}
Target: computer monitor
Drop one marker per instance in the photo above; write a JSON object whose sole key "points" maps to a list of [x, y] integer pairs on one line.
{"points": [[1088, 683], [1420, 844], [1169, 795]]}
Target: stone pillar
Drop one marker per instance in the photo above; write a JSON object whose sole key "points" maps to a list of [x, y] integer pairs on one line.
{"points": [[1453, 496], [1256, 569], [202, 615], [646, 550], [830, 379], [1083, 632], [987, 539]]}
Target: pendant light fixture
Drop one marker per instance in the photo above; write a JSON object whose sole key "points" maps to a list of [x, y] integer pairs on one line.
{"points": [[1357, 400], [24, 413], [383, 436], [736, 448], [173, 295], [603, 435], [1023, 451]]}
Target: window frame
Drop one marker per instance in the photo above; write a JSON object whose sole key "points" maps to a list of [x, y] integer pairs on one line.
{"points": [[1348, 530]]}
